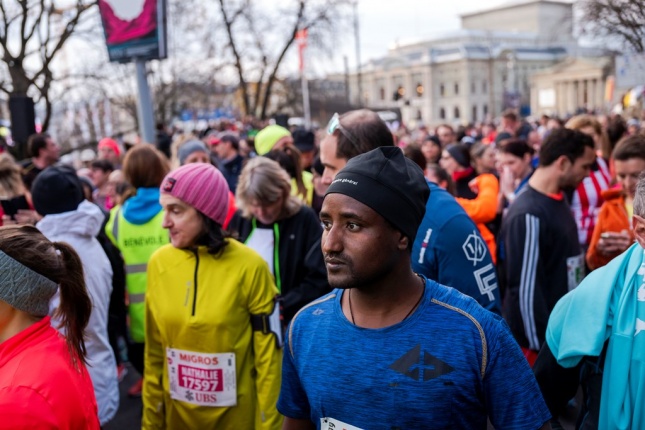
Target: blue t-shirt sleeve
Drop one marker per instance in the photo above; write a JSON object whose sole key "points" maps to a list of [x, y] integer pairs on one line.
{"points": [[508, 376], [293, 401]]}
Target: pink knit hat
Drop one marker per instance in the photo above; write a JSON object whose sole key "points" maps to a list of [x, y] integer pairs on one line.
{"points": [[201, 186]]}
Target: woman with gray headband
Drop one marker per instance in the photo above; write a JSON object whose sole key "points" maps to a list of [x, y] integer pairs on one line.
{"points": [[43, 379]]}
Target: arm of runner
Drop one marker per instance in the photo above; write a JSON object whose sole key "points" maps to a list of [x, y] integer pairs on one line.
{"points": [[314, 282], [154, 362], [267, 355], [557, 384], [294, 424], [522, 251], [293, 402], [513, 397]]}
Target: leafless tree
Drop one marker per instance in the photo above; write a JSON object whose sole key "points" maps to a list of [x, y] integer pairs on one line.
{"points": [[259, 39], [32, 33], [622, 21]]}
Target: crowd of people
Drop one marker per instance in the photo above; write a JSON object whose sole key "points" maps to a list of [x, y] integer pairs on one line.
{"points": [[355, 276]]}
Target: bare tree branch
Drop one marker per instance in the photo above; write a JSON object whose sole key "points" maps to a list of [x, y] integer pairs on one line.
{"points": [[620, 20]]}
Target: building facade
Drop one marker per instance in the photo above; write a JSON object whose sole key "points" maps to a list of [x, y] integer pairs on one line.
{"points": [[473, 74]]}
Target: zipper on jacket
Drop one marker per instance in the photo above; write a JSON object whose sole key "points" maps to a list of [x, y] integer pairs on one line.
{"points": [[195, 280]]}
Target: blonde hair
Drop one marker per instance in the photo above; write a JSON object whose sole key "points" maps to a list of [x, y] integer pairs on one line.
{"points": [[579, 122], [11, 184], [263, 180]]}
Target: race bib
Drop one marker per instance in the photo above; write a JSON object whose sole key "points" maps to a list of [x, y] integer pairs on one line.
{"points": [[575, 270], [202, 379], [332, 424]]}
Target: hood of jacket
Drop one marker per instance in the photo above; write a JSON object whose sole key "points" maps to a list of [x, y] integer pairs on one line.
{"points": [[143, 206], [86, 220]]}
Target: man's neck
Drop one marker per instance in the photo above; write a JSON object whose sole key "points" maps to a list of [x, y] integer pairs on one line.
{"points": [[40, 162], [545, 181], [387, 303], [230, 156]]}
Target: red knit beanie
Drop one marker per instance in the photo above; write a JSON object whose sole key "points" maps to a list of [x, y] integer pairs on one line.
{"points": [[201, 186]]}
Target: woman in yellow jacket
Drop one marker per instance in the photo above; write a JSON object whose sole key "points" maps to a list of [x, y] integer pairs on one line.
{"points": [[212, 357]]}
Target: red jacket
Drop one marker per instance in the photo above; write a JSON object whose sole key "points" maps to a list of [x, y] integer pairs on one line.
{"points": [[39, 386]]}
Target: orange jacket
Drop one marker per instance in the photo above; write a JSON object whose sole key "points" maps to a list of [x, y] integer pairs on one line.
{"points": [[483, 208], [612, 217]]}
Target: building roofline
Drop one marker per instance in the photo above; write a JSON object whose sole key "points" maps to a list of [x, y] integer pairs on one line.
{"points": [[512, 5]]}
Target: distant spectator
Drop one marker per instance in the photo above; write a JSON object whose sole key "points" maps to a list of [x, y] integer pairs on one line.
{"points": [[483, 158], [99, 173], [446, 135], [44, 152], [613, 233], [163, 140], [192, 151], [272, 137], [305, 141], [110, 150], [431, 149], [229, 160], [587, 197]]}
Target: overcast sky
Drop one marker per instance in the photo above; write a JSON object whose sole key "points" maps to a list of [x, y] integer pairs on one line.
{"points": [[383, 22]]}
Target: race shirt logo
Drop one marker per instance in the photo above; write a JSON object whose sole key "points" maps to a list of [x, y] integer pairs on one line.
{"points": [[202, 379], [486, 280], [475, 248]]}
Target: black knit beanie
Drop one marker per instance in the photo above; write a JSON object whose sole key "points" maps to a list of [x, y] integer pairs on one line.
{"points": [[388, 182], [56, 190], [460, 152]]}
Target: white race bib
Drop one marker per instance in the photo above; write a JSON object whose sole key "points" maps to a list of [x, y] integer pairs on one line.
{"points": [[201, 378], [332, 424], [575, 270]]}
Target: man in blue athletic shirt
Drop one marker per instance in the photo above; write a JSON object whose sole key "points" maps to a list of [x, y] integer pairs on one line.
{"points": [[390, 349], [448, 247]]}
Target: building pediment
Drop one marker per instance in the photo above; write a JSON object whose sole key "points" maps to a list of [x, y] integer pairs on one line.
{"points": [[577, 65]]}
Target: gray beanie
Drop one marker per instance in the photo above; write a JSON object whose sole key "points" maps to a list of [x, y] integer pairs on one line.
{"points": [[23, 288], [188, 148]]}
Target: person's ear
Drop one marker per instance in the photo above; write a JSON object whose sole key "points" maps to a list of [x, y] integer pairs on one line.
{"points": [[403, 243], [563, 163], [638, 224]]}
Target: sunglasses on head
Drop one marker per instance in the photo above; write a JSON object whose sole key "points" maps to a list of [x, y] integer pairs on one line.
{"points": [[334, 124]]}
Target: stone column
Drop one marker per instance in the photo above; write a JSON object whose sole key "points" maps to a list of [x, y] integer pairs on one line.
{"points": [[571, 98]]}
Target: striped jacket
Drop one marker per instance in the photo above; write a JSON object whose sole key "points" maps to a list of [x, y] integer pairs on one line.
{"points": [[542, 261]]}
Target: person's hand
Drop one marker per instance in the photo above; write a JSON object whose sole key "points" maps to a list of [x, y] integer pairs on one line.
{"points": [[26, 216], [612, 242], [7, 220], [474, 185], [506, 181]]}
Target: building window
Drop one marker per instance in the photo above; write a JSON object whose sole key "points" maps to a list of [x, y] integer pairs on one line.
{"points": [[381, 92], [456, 88], [484, 86], [442, 90], [442, 113], [485, 111], [474, 113], [457, 113], [419, 89], [473, 90]]}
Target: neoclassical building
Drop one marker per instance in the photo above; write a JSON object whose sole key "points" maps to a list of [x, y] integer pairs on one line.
{"points": [[474, 73]]}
